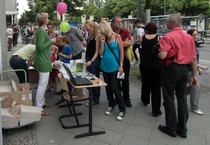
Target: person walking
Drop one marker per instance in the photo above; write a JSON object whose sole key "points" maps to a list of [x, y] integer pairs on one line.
{"points": [[177, 53], [116, 24], [92, 57], [111, 51], [138, 33], [42, 62], [150, 68]]}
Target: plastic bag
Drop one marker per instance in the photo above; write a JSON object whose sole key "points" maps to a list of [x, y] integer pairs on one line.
{"points": [[129, 54]]}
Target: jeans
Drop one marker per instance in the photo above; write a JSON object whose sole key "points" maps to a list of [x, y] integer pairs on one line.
{"points": [[174, 80], [112, 89], [18, 63], [94, 68], [194, 94]]}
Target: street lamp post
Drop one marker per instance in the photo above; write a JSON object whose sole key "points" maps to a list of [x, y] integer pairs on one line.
{"points": [[139, 15]]}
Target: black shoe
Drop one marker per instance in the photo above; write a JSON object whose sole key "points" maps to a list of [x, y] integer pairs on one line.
{"points": [[157, 114], [128, 104], [165, 130], [182, 134]]}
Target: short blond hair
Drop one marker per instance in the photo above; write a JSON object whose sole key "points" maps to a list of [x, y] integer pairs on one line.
{"points": [[105, 28], [41, 17]]}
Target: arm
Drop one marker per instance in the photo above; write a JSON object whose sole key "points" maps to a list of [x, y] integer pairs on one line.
{"points": [[40, 40], [193, 80], [127, 42], [121, 50], [165, 46], [101, 41], [95, 54], [31, 59]]}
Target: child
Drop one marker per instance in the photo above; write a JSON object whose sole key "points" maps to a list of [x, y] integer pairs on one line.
{"points": [[66, 53], [54, 72]]}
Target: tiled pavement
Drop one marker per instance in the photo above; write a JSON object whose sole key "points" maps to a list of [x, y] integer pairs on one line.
{"points": [[138, 127]]}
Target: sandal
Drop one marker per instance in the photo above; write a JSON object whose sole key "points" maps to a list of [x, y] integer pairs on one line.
{"points": [[45, 113]]}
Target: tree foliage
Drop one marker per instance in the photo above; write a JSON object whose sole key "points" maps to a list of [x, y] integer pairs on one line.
{"points": [[110, 8]]}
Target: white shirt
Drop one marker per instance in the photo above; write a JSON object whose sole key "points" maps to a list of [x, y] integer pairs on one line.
{"points": [[9, 32]]}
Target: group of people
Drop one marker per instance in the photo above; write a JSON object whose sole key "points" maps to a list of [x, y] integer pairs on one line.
{"points": [[170, 63], [167, 62], [12, 33]]}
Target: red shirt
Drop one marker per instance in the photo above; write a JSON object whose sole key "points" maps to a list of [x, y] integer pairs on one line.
{"points": [[182, 43], [124, 34]]}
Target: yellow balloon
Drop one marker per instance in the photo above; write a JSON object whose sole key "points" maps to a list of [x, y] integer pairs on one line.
{"points": [[64, 27]]}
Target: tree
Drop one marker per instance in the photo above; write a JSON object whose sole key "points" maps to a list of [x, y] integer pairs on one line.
{"points": [[192, 7]]}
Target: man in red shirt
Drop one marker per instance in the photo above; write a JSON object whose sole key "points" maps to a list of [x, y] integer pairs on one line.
{"points": [[177, 48], [126, 38]]}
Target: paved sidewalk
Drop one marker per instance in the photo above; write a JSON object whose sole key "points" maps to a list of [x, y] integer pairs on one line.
{"points": [[138, 128]]}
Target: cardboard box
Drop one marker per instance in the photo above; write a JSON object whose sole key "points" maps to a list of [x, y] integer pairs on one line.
{"points": [[30, 113], [8, 120], [10, 91]]}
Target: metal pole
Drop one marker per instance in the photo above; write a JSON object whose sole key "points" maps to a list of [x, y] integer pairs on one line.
{"points": [[3, 51], [139, 15], [164, 6], [148, 11]]}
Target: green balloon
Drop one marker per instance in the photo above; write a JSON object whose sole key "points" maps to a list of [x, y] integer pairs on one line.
{"points": [[64, 27]]}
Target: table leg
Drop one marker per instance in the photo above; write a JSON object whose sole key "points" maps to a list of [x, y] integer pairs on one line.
{"points": [[90, 132]]}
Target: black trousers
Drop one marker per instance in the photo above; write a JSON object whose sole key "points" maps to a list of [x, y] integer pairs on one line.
{"points": [[112, 89], [174, 81], [151, 84], [135, 46], [124, 84]]}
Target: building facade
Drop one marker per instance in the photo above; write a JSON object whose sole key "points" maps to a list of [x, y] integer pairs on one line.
{"points": [[11, 11]]}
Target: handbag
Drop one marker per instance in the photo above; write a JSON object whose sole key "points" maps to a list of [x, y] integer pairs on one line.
{"points": [[129, 53]]}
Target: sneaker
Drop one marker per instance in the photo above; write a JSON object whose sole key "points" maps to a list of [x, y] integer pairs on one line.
{"points": [[199, 112], [121, 116], [109, 110]]}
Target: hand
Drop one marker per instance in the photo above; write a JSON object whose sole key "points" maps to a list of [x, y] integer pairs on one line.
{"points": [[120, 69], [54, 40], [102, 38], [200, 71], [193, 82], [57, 66], [87, 64], [60, 54]]}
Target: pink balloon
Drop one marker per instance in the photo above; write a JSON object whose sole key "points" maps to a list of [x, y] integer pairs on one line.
{"points": [[61, 8]]}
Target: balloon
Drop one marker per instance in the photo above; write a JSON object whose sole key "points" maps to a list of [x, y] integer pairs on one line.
{"points": [[64, 27], [61, 8]]}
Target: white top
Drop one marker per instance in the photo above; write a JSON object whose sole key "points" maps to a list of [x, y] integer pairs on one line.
{"points": [[9, 32]]}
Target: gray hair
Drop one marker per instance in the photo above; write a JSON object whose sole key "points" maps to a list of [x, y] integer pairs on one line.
{"points": [[175, 19]]}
